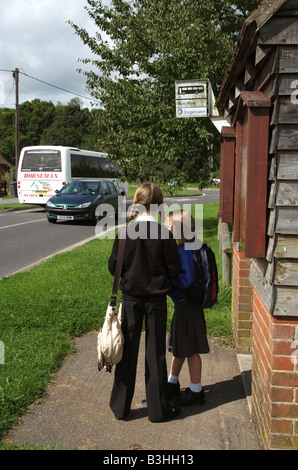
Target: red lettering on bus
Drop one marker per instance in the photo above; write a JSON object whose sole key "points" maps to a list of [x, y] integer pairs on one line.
{"points": [[41, 176]]}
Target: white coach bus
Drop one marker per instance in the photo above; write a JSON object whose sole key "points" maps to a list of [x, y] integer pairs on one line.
{"points": [[44, 169]]}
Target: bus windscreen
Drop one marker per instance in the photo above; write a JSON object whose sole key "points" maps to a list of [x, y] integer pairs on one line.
{"points": [[45, 160]]}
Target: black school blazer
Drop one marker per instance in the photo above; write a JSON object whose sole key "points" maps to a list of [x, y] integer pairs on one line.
{"points": [[151, 259]]}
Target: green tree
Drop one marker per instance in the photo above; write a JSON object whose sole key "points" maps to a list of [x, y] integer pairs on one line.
{"points": [[7, 134], [43, 123], [72, 126], [141, 47], [34, 117]]}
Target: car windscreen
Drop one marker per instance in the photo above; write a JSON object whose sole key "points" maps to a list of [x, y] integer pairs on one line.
{"points": [[82, 188]]}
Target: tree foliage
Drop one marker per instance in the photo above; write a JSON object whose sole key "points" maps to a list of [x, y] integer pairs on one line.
{"points": [[140, 48], [71, 126], [43, 123]]}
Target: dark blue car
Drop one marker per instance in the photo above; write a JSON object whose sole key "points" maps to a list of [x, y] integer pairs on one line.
{"points": [[80, 199]]}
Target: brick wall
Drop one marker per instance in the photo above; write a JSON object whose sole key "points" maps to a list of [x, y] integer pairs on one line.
{"points": [[274, 378], [242, 303]]}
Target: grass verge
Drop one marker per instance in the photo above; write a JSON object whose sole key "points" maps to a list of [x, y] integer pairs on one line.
{"points": [[4, 206], [42, 310]]}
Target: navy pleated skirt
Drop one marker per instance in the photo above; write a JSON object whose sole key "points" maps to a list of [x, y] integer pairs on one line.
{"points": [[188, 334]]}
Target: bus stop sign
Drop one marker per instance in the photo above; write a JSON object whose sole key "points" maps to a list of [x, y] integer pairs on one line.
{"points": [[192, 98]]}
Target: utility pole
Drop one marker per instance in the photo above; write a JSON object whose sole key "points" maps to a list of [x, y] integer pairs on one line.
{"points": [[16, 77]]}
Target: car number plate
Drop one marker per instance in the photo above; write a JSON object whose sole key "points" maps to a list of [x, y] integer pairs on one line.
{"points": [[65, 217]]}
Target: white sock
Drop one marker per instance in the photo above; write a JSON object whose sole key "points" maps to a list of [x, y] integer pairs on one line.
{"points": [[196, 388], [173, 379]]}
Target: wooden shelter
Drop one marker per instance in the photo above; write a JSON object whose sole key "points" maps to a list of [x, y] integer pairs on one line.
{"points": [[259, 196], [4, 166]]}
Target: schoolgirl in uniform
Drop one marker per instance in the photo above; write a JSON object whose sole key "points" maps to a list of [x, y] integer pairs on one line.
{"points": [[188, 336], [151, 260]]}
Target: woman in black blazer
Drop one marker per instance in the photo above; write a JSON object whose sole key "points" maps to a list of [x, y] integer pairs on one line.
{"points": [[151, 260]]}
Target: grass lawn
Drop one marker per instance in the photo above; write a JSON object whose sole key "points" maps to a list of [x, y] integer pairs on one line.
{"points": [[44, 308]]}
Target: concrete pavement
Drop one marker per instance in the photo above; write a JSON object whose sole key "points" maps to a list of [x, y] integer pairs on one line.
{"points": [[75, 413], [13, 200]]}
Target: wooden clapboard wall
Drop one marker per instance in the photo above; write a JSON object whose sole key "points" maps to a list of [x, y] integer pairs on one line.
{"points": [[281, 34], [271, 67]]}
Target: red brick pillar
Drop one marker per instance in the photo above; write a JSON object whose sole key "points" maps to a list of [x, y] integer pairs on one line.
{"points": [[242, 303], [274, 378]]}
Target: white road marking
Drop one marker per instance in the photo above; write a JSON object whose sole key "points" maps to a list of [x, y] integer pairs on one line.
{"points": [[23, 223]]}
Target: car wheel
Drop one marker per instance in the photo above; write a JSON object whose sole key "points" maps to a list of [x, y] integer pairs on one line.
{"points": [[93, 220]]}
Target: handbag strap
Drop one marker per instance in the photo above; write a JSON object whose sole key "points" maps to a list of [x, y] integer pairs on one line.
{"points": [[119, 263]]}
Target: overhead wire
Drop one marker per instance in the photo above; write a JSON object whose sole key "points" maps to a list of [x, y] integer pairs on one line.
{"points": [[50, 84], [7, 95]]}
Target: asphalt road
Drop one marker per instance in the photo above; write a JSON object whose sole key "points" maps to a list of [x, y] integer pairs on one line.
{"points": [[26, 237]]}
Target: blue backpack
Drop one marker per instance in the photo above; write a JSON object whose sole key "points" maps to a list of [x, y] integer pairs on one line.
{"points": [[204, 290]]}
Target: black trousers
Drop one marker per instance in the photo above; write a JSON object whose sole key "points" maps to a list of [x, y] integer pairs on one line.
{"points": [[155, 314]]}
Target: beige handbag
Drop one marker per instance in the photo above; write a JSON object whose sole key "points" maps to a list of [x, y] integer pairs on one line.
{"points": [[110, 338]]}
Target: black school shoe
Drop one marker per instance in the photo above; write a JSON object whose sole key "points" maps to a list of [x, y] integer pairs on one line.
{"points": [[188, 396], [124, 418], [172, 412], [173, 390]]}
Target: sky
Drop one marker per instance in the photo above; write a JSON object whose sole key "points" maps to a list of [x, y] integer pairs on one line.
{"points": [[36, 38]]}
